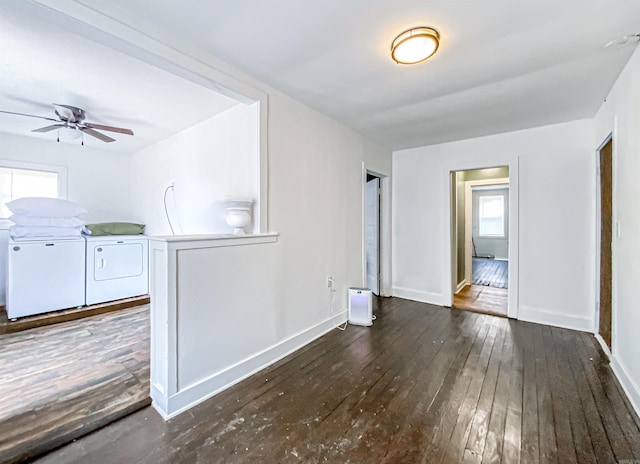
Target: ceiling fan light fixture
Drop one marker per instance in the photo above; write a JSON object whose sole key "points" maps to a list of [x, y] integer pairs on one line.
{"points": [[415, 45], [69, 133]]}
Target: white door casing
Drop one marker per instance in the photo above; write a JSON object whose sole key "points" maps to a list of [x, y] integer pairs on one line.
{"points": [[474, 161], [371, 232]]}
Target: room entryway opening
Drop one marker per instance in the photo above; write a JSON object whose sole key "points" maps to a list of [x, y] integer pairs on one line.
{"points": [[80, 356], [604, 316], [372, 232], [481, 239]]}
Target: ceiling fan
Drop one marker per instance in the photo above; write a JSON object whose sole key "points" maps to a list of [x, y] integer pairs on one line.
{"points": [[70, 117]]}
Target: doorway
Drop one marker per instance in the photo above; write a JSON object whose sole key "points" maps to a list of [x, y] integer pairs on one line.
{"points": [[372, 232], [605, 316], [481, 227]]}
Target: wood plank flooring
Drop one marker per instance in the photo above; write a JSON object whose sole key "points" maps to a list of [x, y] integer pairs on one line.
{"points": [[490, 272], [488, 300], [62, 381], [422, 385], [8, 326]]}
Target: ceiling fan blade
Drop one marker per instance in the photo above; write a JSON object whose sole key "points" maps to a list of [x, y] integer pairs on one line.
{"points": [[29, 115], [96, 134], [120, 130], [48, 128]]}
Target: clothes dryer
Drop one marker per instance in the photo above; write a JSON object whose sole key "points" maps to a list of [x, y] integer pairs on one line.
{"points": [[117, 267]]}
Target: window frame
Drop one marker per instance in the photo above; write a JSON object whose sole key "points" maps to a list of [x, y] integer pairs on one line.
{"points": [[61, 172], [503, 233]]}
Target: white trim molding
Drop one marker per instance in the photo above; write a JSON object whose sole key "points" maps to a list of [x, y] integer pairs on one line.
{"points": [[603, 344], [190, 396], [553, 318], [461, 285], [384, 239], [631, 388], [437, 299], [480, 162]]}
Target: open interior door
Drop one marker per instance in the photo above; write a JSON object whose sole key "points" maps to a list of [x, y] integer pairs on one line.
{"points": [[371, 232]]}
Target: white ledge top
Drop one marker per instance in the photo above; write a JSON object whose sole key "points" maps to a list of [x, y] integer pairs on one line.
{"points": [[240, 239]]}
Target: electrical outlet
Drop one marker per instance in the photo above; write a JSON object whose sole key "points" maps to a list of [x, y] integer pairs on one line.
{"points": [[329, 281]]}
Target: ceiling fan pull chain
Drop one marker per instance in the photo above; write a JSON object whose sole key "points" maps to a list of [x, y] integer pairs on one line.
{"points": [[58, 131], [82, 139]]}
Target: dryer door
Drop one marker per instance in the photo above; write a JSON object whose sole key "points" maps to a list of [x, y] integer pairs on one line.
{"points": [[118, 260]]}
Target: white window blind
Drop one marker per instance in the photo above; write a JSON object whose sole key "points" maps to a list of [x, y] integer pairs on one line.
{"points": [[491, 216]]}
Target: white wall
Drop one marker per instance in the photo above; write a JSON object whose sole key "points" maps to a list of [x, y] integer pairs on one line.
{"points": [[315, 203], [314, 167], [261, 301], [315, 190], [96, 179], [620, 114], [207, 162], [556, 219]]}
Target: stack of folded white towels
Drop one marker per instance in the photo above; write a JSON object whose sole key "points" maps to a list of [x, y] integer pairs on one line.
{"points": [[39, 218]]}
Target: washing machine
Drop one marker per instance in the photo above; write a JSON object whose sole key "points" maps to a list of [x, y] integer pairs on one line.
{"points": [[117, 267], [44, 275]]}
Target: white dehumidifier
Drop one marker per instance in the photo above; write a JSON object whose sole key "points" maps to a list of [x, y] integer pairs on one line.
{"points": [[360, 306]]}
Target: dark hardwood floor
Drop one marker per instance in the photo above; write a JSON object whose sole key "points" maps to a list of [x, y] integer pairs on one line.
{"points": [[490, 272], [65, 380], [422, 385]]}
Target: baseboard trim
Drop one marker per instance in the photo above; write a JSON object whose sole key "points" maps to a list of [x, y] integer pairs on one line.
{"points": [[461, 285], [603, 345], [220, 381], [543, 316], [419, 295], [628, 385]]}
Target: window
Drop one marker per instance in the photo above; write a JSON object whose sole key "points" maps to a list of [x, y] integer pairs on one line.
{"points": [[491, 216], [19, 180]]}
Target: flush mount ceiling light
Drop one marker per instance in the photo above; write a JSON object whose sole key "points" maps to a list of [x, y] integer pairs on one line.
{"points": [[415, 45]]}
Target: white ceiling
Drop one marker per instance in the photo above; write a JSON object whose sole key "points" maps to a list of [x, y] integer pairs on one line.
{"points": [[43, 64], [503, 64]]}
